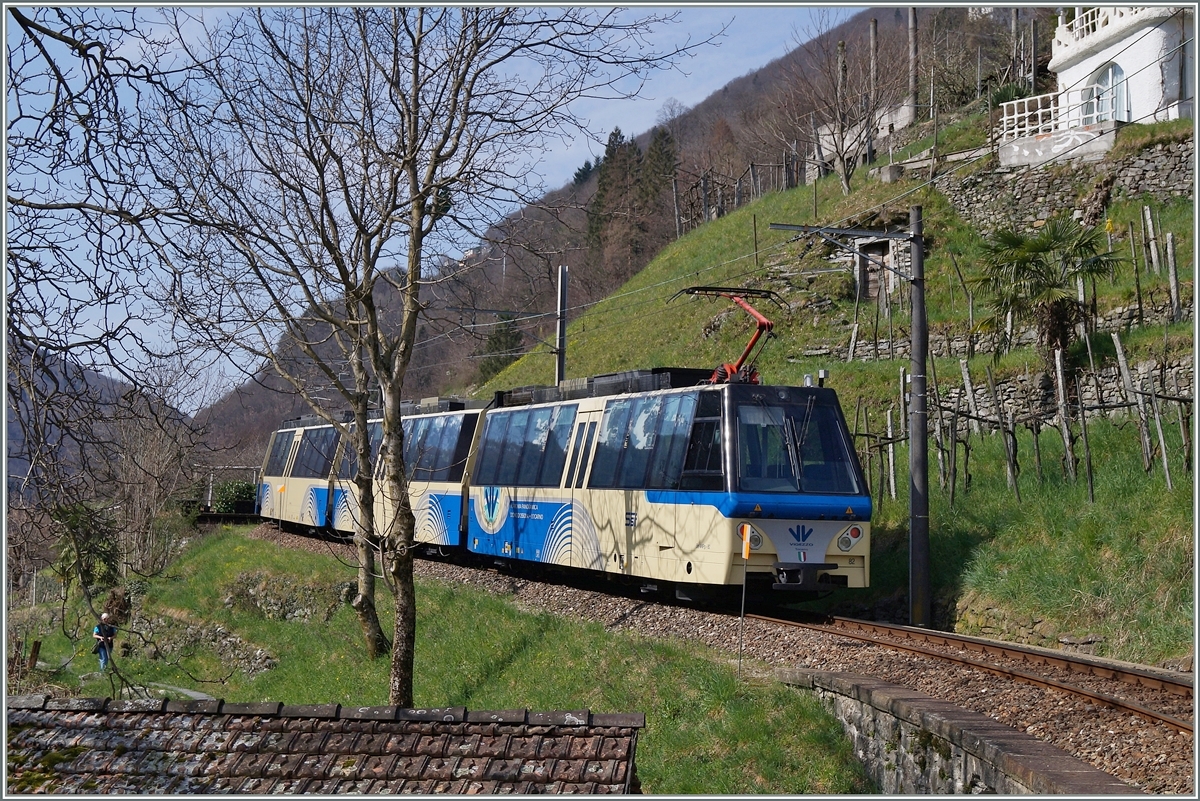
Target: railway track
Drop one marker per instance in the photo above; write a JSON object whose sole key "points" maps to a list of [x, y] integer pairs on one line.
{"points": [[1151, 755], [1155, 689]]}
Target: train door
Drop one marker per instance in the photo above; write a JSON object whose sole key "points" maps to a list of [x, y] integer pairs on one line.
{"points": [[618, 479], [590, 548], [649, 527]]}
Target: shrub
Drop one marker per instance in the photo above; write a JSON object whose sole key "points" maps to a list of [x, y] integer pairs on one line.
{"points": [[1009, 92], [228, 493]]}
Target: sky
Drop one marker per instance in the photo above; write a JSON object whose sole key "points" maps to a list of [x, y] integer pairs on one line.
{"points": [[756, 35]]}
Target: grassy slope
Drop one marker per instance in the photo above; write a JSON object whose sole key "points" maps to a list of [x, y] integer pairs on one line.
{"points": [[1124, 571], [707, 731]]}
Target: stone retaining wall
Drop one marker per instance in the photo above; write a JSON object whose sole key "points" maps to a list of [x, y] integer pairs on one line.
{"points": [[913, 744], [1022, 197]]}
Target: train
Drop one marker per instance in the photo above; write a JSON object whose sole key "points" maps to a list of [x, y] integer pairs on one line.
{"points": [[693, 479], [647, 475]]}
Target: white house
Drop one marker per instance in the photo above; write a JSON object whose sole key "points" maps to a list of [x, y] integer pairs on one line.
{"points": [[1115, 64]]}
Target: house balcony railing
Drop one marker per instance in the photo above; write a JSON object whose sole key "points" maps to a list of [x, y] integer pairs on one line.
{"points": [[1057, 112], [1093, 22]]}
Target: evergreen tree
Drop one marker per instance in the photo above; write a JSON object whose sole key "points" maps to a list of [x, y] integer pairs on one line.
{"points": [[502, 349], [615, 227], [658, 167], [584, 172]]}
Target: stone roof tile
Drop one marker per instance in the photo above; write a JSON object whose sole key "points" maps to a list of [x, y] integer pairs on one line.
{"points": [[96, 746]]}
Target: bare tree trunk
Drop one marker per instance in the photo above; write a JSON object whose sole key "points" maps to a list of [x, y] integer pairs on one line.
{"points": [[912, 63]]}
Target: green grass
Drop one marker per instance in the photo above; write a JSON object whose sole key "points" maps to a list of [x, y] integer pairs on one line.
{"points": [[1119, 568], [706, 730]]}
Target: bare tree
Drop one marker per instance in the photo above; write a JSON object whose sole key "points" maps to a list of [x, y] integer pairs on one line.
{"points": [[83, 346], [323, 153], [832, 99]]}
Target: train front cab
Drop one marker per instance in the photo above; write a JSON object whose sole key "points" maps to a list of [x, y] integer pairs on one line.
{"points": [[809, 527], [797, 485], [663, 485]]}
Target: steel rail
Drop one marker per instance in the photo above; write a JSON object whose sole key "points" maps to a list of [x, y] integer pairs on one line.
{"points": [[1130, 674], [857, 632]]}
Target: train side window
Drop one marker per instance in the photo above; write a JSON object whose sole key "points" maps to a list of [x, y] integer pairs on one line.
{"points": [[640, 440], [533, 447], [556, 447], [462, 448], [702, 467], [447, 448], [430, 449], [442, 458], [666, 463], [281, 445], [611, 442], [514, 441], [315, 456], [587, 453], [495, 427], [414, 434], [576, 452], [349, 468]]}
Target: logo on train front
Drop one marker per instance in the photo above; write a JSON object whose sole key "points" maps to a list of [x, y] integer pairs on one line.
{"points": [[801, 533]]}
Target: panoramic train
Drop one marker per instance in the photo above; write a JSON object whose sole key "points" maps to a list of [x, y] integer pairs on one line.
{"points": [[694, 479]]}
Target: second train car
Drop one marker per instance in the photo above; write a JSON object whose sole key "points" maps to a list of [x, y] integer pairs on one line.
{"points": [[656, 476]]}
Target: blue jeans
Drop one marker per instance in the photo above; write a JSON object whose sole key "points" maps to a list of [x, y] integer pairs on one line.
{"points": [[103, 656]]}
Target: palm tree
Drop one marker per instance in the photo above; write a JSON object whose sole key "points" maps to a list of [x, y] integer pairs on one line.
{"points": [[1036, 277]]}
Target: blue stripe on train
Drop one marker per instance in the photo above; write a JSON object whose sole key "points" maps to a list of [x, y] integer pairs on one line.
{"points": [[783, 506]]}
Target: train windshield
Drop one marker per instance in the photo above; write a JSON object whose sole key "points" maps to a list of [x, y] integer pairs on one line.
{"points": [[794, 447]]}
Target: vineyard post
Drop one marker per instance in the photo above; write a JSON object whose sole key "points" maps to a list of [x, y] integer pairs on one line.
{"points": [[1152, 240], [954, 447], [1035, 428], [891, 456], [1162, 444], [1009, 456], [1010, 450], [1087, 451], [1064, 415], [1184, 434], [939, 423], [1132, 396], [969, 389], [1137, 281], [1173, 280]]}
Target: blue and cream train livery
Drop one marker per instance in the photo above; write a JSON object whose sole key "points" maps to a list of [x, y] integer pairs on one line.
{"points": [[657, 475]]}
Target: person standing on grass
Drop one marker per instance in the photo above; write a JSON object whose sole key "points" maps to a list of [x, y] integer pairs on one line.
{"points": [[103, 634]]}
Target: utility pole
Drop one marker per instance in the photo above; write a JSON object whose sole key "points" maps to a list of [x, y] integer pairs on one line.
{"points": [[560, 350], [919, 592], [919, 585]]}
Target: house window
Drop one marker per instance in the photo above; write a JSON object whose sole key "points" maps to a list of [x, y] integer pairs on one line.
{"points": [[1105, 98]]}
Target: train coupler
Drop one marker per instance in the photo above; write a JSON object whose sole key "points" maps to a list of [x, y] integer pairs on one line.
{"points": [[799, 575]]}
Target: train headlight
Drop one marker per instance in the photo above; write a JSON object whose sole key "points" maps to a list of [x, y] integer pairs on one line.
{"points": [[745, 530], [850, 537]]}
